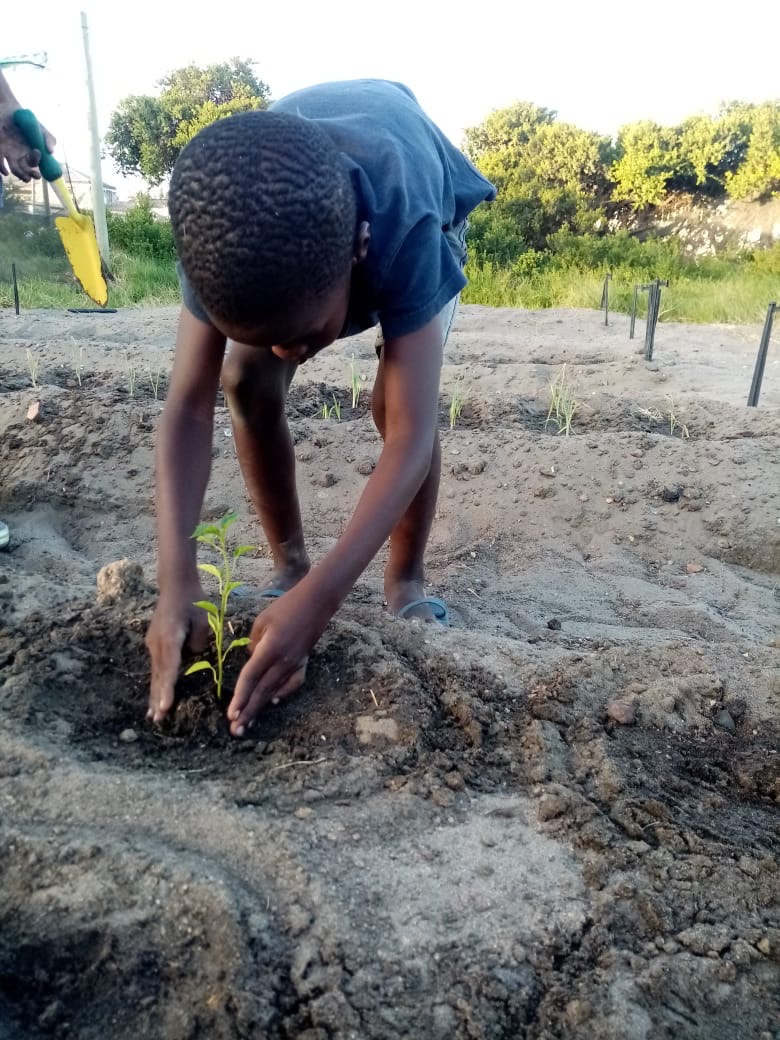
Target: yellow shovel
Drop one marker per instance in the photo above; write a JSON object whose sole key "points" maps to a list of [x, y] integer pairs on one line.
{"points": [[76, 230]]}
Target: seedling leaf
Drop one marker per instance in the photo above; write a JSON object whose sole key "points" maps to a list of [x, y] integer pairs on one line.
{"points": [[200, 666], [243, 641], [206, 605], [242, 550], [202, 530], [209, 568]]}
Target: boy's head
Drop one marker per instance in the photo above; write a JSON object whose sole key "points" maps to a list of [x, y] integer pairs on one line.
{"points": [[264, 217]]}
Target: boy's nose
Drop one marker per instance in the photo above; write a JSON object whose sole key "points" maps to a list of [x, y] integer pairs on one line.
{"points": [[291, 353]]}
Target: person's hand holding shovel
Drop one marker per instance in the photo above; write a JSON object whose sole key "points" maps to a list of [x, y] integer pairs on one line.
{"points": [[16, 155]]}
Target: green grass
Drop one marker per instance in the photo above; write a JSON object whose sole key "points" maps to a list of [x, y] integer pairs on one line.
{"points": [[45, 279], [722, 291], [45, 282]]}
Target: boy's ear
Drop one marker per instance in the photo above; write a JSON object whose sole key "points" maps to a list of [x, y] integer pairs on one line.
{"points": [[362, 238]]}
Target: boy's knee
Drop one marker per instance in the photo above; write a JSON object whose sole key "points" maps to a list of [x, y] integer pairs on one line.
{"points": [[251, 389]]}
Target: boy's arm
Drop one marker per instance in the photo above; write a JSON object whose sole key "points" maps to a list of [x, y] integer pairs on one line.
{"points": [[286, 631], [182, 466]]}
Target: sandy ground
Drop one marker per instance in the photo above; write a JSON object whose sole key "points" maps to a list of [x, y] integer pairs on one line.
{"points": [[557, 818]]}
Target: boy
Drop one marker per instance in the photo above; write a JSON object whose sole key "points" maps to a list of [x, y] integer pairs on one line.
{"points": [[341, 207]]}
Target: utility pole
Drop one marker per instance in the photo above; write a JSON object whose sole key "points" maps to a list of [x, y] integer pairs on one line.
{"points": [[98, 194]]}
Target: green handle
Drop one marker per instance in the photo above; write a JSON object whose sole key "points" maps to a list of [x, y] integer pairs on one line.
{"points": [[30, 129]]}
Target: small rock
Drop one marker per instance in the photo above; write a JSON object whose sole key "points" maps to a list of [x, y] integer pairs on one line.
{"points": [[365, 466], [445, 1022], [547, 471], [544, 491], [763, 946], [455, 781], [119, 580], [552, 805], [475, 468], [671, 494], [554, 624], [328, 479], [34, 412], [694, 568], [303, 812], [442, 797], [128, 736], [369, 729], [622, 712], [724, 720], [736, 708]]}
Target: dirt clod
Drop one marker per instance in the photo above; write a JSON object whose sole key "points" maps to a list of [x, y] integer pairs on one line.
{"points": [[622, 712], [120, 580]]}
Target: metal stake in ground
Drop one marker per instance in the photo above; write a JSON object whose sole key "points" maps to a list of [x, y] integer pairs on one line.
{"points": [[16, 288], [637, 289], [763, 348], [653, 308], [605, 297]]}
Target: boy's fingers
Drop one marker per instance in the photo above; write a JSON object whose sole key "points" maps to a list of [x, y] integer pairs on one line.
{"points": [[275, 686], [198, 637], [263, 694], [165, 671]]}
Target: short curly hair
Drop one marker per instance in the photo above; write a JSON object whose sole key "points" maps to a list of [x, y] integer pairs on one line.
{"points": [[263, 214]]}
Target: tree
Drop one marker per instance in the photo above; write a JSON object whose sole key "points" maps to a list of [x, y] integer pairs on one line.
{"points": [[703, 143], [647, 158], [146, 133], [506, 128], [758, 175], [549, 175]]}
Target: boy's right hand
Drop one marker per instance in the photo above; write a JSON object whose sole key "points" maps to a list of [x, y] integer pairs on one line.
{"points": [[176, 619]]}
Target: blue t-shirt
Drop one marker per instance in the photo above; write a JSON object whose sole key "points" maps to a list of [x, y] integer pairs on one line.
{"points": [[411, 184]]}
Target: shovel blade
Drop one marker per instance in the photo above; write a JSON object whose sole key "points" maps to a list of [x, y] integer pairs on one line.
{"points": [[78, 238]]}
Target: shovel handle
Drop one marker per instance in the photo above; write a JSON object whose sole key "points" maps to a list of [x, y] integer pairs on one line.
{"points": [[30, 129]]}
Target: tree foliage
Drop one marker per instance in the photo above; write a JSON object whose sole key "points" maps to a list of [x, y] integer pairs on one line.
{"points": [[554, 179], [146, 133], [758, 175], [549, 175], [647, 157]]}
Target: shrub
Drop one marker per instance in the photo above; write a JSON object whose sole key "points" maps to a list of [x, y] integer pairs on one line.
{"points": [[139, 233]]}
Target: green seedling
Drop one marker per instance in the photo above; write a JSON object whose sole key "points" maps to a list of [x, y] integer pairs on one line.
{"points": [[215, 536], [674, 422], [354, 383], [456, 404], [32, 367], [132, 376], [563, 404], [154, 381], [78, 364], [329, 411]]}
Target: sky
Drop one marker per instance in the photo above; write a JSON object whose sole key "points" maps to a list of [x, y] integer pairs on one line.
{"points": [[598, 65]]}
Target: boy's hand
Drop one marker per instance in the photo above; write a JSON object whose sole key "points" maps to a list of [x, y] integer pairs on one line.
{"points": [[281, 639], [175, 619]]}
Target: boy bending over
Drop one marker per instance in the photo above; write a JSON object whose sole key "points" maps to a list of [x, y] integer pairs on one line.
{"points": [[339, 208]]}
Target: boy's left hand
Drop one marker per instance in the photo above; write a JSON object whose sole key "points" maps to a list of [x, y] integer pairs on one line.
{"points": [[281, 639]]}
